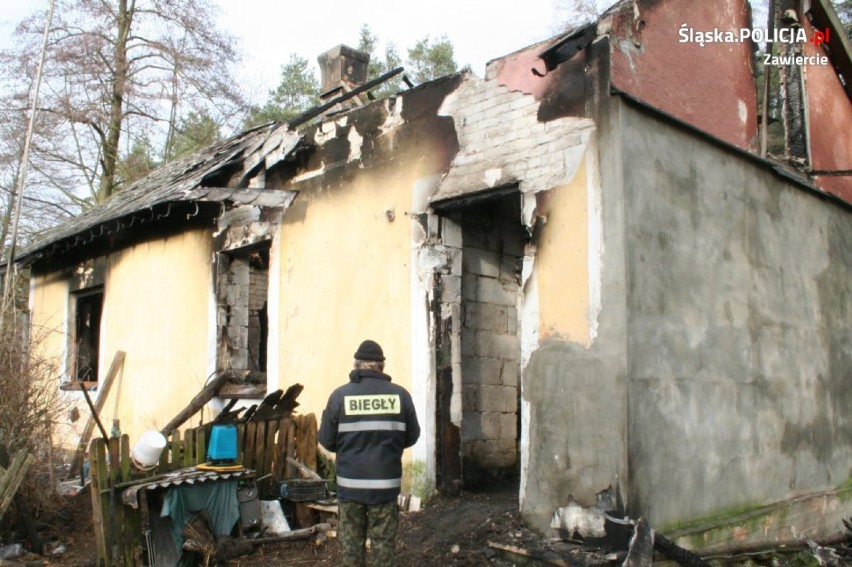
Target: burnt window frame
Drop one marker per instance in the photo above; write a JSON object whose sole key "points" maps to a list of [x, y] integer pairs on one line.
{"points": [[225, 259], [76, 298]]}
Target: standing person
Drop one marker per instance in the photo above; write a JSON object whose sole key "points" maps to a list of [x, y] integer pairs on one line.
{"points": [[368, 422]]}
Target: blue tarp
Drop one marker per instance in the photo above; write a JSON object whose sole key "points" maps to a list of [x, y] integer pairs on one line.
{"points": [[217, 498]]}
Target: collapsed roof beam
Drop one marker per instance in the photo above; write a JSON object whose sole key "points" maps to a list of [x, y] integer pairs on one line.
{"points": [[317, 110], [566, 48]]}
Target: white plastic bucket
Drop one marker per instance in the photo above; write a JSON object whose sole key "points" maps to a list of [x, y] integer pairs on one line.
{"points": [[148, 449]]}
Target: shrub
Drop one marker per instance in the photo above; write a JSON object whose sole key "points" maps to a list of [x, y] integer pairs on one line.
{"points": [[30, 410]]}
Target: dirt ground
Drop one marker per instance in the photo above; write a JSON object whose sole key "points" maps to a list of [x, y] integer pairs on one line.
{"points": [[448, 532], [467, 530]]}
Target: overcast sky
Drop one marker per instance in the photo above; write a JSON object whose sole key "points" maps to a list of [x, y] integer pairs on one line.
{"points": [[268, 31], [479, 30]]}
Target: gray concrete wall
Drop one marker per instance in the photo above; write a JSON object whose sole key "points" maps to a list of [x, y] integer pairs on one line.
{"points": [[739, 332], [576, 395]]}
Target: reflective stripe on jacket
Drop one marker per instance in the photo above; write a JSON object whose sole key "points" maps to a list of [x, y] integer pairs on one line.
{"points": [[368, 423]]}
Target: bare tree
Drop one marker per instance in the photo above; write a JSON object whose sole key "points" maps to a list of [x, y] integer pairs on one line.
{"points": [[41, 206], [118, 71], [569, 14]]}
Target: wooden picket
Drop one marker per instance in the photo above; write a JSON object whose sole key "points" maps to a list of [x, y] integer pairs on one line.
{"points": [[12, 478], [263, 446]]}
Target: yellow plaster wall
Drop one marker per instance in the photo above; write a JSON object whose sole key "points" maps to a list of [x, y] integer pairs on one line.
{"points": [[562, 265], [156, 307], [49, 306], [49, 302], [345, 277]]}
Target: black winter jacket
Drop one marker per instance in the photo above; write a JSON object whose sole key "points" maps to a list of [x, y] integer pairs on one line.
{"points": [[368, 422]]}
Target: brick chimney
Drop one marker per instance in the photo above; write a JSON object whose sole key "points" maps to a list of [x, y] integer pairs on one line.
{"points": [[342, 69]]}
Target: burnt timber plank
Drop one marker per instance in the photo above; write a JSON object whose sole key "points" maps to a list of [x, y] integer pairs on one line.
{"points": [[249, 458], [114, 367], [280, 468], [197, 402], [260, 448]]}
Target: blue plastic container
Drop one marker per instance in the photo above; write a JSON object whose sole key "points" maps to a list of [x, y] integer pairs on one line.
{"points": [[223, 444]]}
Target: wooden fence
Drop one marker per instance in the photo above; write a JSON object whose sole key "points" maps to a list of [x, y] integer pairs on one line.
{"points": [[12, 478], [264, 447]]}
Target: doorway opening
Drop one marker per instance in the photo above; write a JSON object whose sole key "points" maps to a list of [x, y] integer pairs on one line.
{"points": [[479, 378]]}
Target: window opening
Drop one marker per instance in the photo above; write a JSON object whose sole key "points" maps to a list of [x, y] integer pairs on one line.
{"points": [[86, 340], [243, 309]]}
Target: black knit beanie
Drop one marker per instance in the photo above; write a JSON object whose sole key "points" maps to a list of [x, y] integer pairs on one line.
{"points": [[370, 350]]}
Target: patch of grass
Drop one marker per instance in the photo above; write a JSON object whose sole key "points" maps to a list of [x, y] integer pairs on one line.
{"points": [[844, 490], [417, 481], [734, 513], [327, 468]]}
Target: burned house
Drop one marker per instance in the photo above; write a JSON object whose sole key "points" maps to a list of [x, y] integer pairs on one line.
{"points": [[582, 266]]}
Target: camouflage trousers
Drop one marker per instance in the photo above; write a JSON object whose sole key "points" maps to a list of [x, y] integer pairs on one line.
{"points": [[358, 522]]}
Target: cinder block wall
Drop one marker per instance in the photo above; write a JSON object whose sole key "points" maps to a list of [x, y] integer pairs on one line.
{"points": [[243, 294], [235, 310], [257, 294], [490, 348]]}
